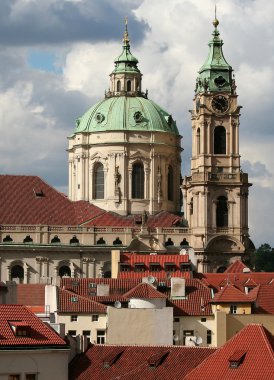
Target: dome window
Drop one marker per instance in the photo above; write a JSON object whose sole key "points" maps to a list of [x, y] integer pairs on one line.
{"points": [[99, 117], [138, 117]]}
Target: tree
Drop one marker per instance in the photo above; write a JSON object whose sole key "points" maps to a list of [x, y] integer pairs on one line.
{"points": [[262, 259]]}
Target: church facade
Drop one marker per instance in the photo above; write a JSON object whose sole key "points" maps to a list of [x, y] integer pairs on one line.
{"points": [[125, 187]]}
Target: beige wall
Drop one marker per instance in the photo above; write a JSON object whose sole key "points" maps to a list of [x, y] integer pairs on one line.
{"points": [[195, 324], [242, 308], [140, 326], [47, 364], [236, 322], [84, 322]]}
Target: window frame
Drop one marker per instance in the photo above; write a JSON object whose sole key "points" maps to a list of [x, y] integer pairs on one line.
{"points": [[74, 318]]}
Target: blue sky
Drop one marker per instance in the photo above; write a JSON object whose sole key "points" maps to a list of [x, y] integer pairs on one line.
{"points": [[55, 60]]}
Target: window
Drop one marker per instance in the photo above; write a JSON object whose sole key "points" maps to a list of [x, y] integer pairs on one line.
{"points": [[222, 212], [154, 267], [138, 179], [98, 180], [176, 319], [233, 309], [95, 317], [72, 332], [209, 337], [198, 141], [100, 336], [129, 85], [31, 376], [86, 335], [74, 240], [64, 270], [14, 377], [118, 86], [203, 319], [170, 187], [17, 271], [101, 241], [55, 240], [220, 140], [73, 318], [139, 267]]}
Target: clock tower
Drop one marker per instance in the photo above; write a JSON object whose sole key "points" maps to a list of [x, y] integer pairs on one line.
{"points": [[216, 192]]}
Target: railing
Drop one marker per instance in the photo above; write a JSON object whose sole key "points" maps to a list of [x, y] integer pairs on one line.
{"points": [[218, 177]]}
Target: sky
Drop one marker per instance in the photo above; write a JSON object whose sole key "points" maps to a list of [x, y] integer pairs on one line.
{"points": [[56, 57]]}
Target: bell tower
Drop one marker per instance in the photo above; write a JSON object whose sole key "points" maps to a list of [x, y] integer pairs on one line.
{"points": [[216, 192]]}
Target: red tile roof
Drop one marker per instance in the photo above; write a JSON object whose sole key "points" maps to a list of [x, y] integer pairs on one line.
{"points": [[30, 294], [197, 301], [251, 349], [144, 291], [39, 333], [237, 267], [263, 295], [216, 280], [39, 203], [69, 302], [177, 260], [230, 293], [106, 362]]}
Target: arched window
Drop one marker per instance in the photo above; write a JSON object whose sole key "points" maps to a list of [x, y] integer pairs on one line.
{"points": [[138, 179], [7, 239], [64, 270], [222, 212], [55, 240], [101, 241], [118, 86], [170, 187], [117, 241], [98, 181], [28, 239], [74, 240], [17, 271], [129, 85], [220, 140], [198, 141]]}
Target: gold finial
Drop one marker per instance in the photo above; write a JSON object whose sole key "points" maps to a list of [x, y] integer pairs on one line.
{"points": [[126, 39], [215, 21]]}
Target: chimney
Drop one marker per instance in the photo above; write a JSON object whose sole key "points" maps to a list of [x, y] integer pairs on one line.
{"points": [[178, 287]]}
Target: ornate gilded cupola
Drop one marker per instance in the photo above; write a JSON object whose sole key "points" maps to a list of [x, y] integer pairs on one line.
{"points": [[216, 74], [126, 78]]}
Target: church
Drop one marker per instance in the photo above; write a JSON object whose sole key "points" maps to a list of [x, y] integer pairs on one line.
{"points": [[126, 192]]}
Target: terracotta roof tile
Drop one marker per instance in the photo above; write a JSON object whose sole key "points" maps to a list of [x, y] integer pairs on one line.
{"points": [[71, 302], [30, 294], [230, 293], [144, 291], [248, 355], [39, 203], [39, 333], [136, 362], [237, 267], [263, 295]]}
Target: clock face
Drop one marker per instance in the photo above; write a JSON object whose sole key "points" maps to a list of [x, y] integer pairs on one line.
{"points": [[219, 103]]}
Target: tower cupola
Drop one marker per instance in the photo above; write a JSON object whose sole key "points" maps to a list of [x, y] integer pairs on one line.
{"points": [[126, 77], [216, 74]]}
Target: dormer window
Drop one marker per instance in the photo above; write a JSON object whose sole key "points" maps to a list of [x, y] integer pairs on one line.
{"points": [[124, 267], [139, 267], [20, 329], [154, 267], [236, 359]]}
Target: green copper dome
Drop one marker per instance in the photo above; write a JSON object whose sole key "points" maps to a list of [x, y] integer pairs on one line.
{"points": [[216, 74], [121, 113]]}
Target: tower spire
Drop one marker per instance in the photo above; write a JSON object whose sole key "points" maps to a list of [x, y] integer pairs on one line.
{"points": [[126, 37]]}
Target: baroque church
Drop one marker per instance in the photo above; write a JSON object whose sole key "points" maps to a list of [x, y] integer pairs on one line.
{"points": [[126, 193]]}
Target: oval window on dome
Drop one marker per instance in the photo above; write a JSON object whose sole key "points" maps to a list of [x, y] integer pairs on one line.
{"points": [[138, 117], [99, 117]]}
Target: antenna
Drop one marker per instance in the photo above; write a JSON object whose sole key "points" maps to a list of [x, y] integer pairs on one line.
{"points": [[193, 341], [117, 304]]}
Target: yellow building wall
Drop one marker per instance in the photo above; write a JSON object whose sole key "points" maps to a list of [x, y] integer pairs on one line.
{"points": [[242, 308]]}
